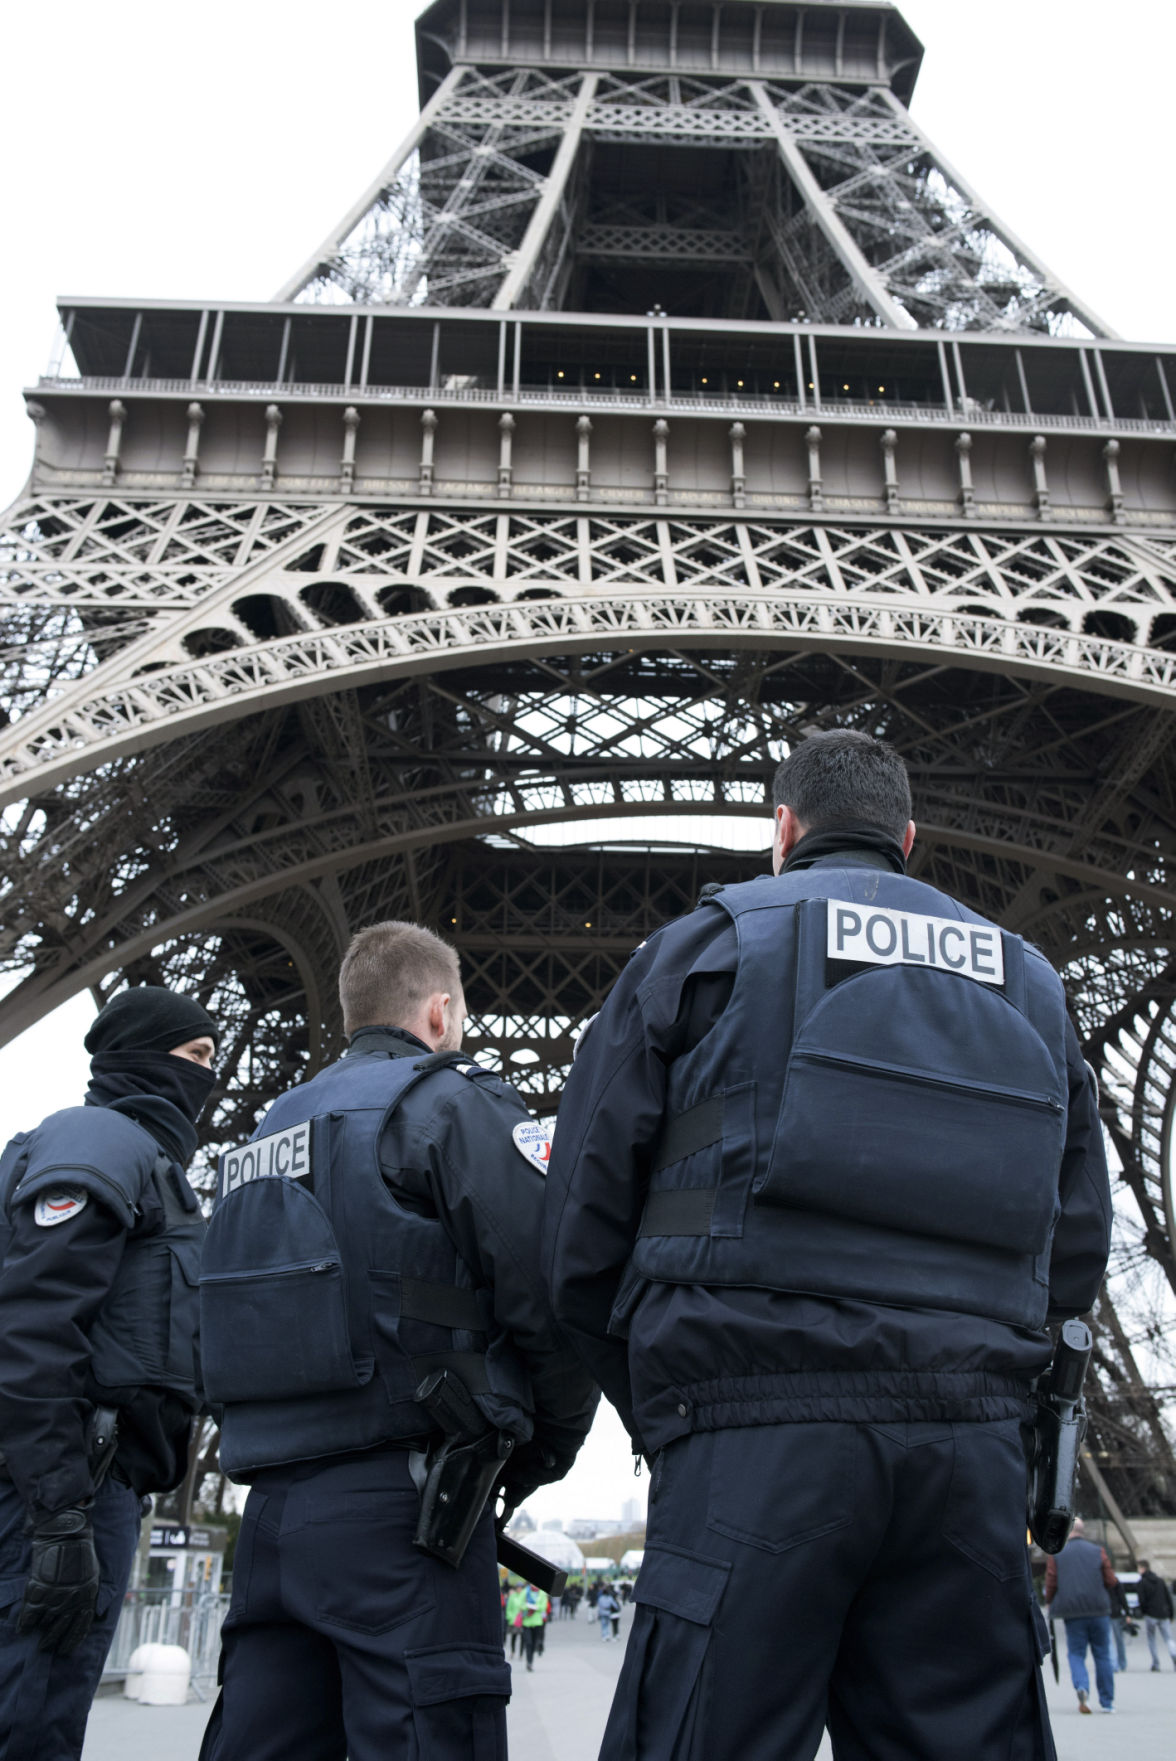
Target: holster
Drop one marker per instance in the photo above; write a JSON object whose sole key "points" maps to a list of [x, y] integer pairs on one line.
{"points": [[101, 1442], [1059, 1425], [457, 1477], [456, 1481]]}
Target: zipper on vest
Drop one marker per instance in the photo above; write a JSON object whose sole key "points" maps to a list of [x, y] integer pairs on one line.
{"points": [[269, 1272], [1018, 1096]]}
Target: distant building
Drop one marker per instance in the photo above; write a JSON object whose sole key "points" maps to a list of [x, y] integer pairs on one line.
{"points": [[632, 1514], [584, 1527], [522, 1523], [555, 1523]]}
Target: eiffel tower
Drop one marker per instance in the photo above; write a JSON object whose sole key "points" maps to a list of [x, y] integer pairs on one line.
{"points": [[666, 396]]}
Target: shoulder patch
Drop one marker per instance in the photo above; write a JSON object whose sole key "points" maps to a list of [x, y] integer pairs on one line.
{"points": [[533, 1142], [59, 1205]]}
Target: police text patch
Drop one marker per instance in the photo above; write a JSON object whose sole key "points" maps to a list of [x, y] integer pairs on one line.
{"points": [[881, 937], [283, 1153], [60, 1205], [533, 1143]]}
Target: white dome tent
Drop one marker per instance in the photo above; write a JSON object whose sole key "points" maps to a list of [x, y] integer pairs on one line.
{"points": [[558, 1549]]}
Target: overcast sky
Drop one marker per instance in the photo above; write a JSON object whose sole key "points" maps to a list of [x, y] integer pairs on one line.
{"points": [[201, 153]]}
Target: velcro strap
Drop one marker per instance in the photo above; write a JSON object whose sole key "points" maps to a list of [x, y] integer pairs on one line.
{"points": [[695, 1129], [686, 1211], [468, 1366], [442, 1305]]}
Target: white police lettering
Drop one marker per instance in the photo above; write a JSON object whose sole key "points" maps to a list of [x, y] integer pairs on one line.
{"points": [[284, 1154], [879, 937], [59, 1206], [533, 1143]]}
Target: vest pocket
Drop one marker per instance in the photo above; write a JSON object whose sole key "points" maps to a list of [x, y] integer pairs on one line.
{"points": [[129, 1340], [936, 1154], [183, 1315], [276, 1334], [273, 1300]]}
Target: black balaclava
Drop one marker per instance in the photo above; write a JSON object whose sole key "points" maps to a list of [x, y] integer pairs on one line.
{"points": [[131, 1045]]}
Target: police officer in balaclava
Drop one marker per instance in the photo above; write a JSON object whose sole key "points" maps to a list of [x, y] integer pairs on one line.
{"points": [[99, 1255]]}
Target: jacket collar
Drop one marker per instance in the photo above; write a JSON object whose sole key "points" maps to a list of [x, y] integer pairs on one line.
{"points": [[859, 846], [387, 1042]]}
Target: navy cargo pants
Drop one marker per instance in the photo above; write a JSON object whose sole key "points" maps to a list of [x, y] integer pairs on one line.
{"points": [[869, 1577], [342, 1640], [45, 1697]]}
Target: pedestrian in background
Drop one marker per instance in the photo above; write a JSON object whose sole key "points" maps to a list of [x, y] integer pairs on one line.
{"points": [[535, 1606], [1155, 1605], [514, 1615], [608, 1611], [1119, 1617], [1078, 1585]]}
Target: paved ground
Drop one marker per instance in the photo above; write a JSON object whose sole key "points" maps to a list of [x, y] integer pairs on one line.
{"points": [[558, 1712]]}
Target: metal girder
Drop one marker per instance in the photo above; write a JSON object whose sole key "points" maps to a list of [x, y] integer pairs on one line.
{"points": [[551, 585], [858, 167]]}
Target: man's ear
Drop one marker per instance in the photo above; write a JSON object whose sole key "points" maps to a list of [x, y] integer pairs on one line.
{"points": [[438, 1018], [787, 832], [908, 838]]}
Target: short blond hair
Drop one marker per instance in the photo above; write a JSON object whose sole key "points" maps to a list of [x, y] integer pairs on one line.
{"points": [[391, 969]]}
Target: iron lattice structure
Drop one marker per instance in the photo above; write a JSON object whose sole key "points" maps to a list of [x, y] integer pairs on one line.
{"points": [[666, 397]]}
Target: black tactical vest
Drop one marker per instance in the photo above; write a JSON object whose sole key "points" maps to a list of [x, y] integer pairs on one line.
{"points": [[879, 1112], [324, 1302], [145, 1334]]}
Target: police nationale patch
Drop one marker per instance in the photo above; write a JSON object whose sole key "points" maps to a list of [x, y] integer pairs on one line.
{"points": [[60, 1205], [533, 1143]]}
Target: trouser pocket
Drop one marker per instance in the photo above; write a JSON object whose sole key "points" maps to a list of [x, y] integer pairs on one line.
{"points": [[459, 1695], [661, 1708]]}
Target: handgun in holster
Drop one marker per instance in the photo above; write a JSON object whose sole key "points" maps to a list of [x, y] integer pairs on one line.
{"points": [[1059, 1425], [457, 1477]]}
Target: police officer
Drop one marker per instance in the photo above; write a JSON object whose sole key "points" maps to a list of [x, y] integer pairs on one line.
{"points": [[382, 1225], [826, 1163], [99, 1254]]}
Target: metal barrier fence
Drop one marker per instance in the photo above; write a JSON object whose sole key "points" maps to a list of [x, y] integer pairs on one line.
{"points": [[159, 1617]]}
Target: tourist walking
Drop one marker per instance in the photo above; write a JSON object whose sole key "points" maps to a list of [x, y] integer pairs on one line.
{"points": [[1078, 1582], [1155, 1605], [535, 1606], [608, 1613]]}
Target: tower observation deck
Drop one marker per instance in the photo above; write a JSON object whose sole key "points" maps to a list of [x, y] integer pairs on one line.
{"points": [[666, 396]]}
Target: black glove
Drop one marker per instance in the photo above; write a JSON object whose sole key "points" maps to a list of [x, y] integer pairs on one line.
{"points": [[530, 1467], [62, 1591]]}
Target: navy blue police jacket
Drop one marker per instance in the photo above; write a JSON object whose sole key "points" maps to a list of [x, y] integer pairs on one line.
{"points": [[829, 1152], [100, 1237], [384, 1222]]}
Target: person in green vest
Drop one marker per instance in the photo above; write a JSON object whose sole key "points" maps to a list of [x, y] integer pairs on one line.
{"points": [[535, 1605]]}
